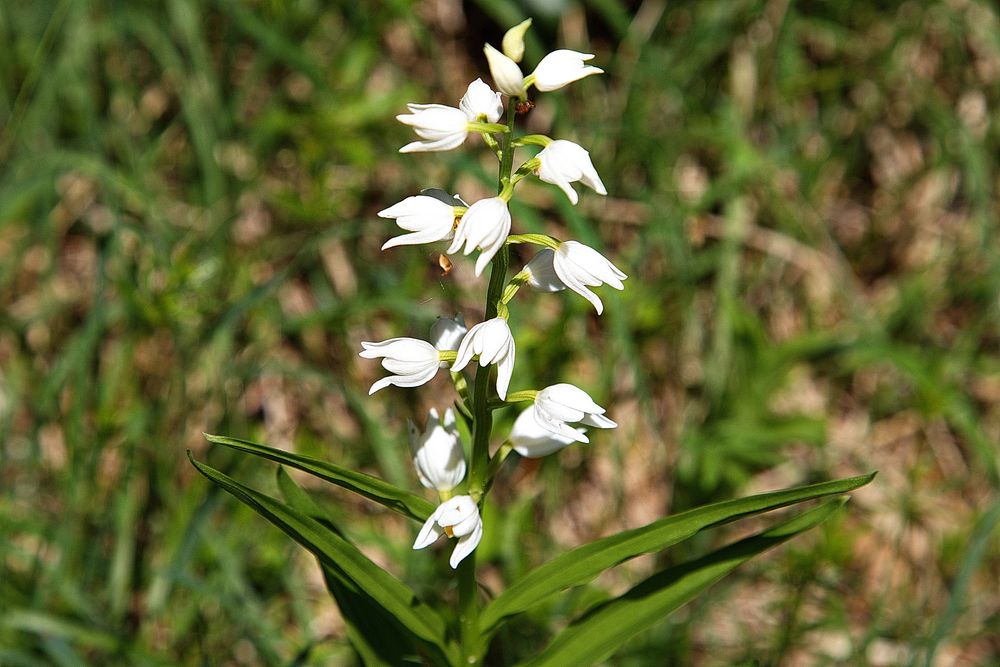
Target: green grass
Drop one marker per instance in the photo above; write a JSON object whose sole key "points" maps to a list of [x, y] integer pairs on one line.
{"points": [[804, 198]]}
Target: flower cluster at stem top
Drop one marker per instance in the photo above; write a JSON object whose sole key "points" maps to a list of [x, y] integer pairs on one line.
{"points": [[547, 425]]}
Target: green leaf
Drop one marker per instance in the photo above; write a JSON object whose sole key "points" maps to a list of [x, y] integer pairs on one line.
{"points": [[372, 631], [606, 627], [350, 565], [582, 564], [373, 488]]}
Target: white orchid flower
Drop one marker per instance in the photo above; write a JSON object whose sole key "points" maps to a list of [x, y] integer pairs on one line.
{"points": [[441, 128], [413, 362], [560, 68], [437, 452], [480, 102], [506, 74], [456, 517], [559, 404], [485, 225], [576, 266], [563, 162], [494, 344], [428, 219], [531, 440]]}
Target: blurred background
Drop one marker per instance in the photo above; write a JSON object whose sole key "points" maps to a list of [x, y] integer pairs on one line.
{"points": [[803, 196]]}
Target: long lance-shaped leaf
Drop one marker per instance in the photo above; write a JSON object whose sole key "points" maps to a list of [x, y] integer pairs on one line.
{"points": [[375, 635], [337, 553], [393, 497], [582, 564], [605, 628]]}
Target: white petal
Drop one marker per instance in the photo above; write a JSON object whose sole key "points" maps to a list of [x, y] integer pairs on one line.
{"points": [[542, 274], [530, 440], [429, 533], [466, 545], [505, 369], [600, 421]]}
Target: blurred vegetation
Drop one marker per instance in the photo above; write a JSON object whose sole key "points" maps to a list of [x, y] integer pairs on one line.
{"points": [[804, 196]]}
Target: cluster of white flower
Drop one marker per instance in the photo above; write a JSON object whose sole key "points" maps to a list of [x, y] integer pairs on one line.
{"points": [[485, 226]]}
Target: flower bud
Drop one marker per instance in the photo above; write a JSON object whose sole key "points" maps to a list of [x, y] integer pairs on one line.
{"points": [[506, 74], [562, 67], [437, 452], [513, 41]]}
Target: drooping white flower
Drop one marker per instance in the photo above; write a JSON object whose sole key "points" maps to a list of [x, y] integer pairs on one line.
{"points": [[413, 362], [457, 517], [576, 266], [428, 219], [559, 404], [447, 333], [532, 441], [562, 67], [437, 452], [506, 74], [480, 101], [485, 225], [563, 162], [440, 127], [494, 344]]}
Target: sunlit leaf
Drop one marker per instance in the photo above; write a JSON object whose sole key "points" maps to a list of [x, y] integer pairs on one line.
{"points": [[582, 564], [351, 566], [606, 627], [373, 488]]}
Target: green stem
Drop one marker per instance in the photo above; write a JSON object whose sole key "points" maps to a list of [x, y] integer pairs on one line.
{"points": [[468, 610], [482, 415]]}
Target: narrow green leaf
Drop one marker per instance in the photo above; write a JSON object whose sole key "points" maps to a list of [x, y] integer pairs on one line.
{"points": [[348, 562], [373, 633], [605, 628], [373, 488], [582, 564]]}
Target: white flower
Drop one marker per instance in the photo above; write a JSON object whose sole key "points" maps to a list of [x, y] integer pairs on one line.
{"points": [[562, 67], [447, 333], [492, 341], [480, 101], [561, 403], [485, 225], [563, 162], [437, 452], [532, 441], [414, 362], [441, 128], [575, 266], [456, 517], [428, 219], [506, 74]]}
